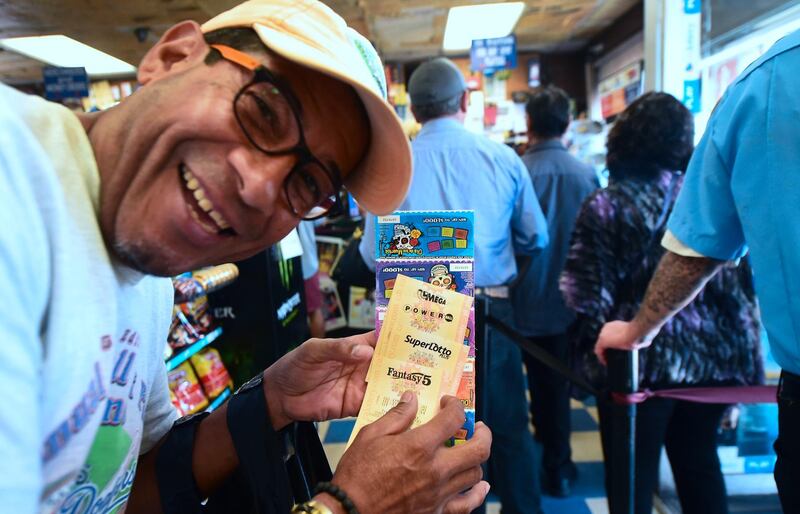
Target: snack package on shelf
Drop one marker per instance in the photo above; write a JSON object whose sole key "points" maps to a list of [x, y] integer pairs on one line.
{"points": [[212, 372], [190, 322], [189, 286], [175, 403], [420, 348], [185, 387]]}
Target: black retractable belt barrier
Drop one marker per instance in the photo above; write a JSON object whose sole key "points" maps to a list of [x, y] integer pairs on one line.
{"points": [[542, 356]]}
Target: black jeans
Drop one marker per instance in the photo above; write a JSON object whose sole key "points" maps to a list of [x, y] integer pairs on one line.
{"points": [[550, 410], [689, 433], [787, 447]]}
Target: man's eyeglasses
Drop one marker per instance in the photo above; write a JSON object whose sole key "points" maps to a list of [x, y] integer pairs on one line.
{"points": [[269, 116]]}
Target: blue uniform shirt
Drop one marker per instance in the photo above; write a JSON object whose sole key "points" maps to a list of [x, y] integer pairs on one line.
{"points": [[455, 169], [742, 189]]}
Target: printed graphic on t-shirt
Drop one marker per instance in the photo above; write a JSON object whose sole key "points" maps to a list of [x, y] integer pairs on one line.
{"points": [[103, 484]]}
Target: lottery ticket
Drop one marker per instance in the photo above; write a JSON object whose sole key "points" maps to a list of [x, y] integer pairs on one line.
{"points": [[425, 234], [466, 387], [392, 378], [425, 325]]}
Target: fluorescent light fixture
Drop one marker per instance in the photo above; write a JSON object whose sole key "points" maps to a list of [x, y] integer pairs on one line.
{"points": [[482, 21], [66, 52]]}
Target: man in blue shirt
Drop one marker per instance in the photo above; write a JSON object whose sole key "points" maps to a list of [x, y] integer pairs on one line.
{"points": [[456, 169], [561, 183], [742, 192]]}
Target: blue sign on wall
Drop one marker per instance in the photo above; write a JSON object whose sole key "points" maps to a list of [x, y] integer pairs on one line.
{"points": [[691, 95], [61, 83], [692, 6], [489, 55]]}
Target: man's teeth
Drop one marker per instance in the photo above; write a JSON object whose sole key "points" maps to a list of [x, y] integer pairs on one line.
{"points": [[206, 225], [203, 202]]}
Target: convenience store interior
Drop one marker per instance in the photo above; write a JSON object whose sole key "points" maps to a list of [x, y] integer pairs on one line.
{"points": [[603, 53]]}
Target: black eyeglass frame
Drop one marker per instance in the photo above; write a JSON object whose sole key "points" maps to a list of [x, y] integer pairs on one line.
{"points": [[300, 149]]}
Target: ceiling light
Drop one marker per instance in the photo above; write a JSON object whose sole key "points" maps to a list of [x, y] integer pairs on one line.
{"points": [[66, 52], [483, 21]]}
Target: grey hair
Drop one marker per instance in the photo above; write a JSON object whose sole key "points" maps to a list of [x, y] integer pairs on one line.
{"points": [[438, 109]]}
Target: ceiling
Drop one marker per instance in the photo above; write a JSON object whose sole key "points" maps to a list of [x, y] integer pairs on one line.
{"points": [[401, 29]]}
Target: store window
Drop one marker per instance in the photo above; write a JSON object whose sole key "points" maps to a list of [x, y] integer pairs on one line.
{"points": [[733, 47], [725, 21]]}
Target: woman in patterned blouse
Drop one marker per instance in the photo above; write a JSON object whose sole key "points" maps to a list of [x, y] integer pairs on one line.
{"points": [[714, 341]]}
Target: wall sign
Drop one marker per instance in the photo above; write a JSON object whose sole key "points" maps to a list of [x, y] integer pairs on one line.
{"points": [[691, 79], [490, 55], [620, 89], [534, 73], [61, 83]]}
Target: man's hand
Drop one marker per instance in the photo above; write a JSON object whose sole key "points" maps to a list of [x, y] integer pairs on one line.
{"points": [[619, 335], [321, 379], [390, 469]]}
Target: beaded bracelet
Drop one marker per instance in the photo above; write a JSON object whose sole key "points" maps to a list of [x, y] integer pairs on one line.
{"points": [[336, 492]]}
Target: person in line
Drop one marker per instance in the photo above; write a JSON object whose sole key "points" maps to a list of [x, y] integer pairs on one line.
{"points": [[713, 342], [222, 151], [741, 194], [561, 183], [456, 169], [313, 294]]}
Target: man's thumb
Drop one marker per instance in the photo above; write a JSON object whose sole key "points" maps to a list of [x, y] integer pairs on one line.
{"points": [[399, 418], [342, 350]]}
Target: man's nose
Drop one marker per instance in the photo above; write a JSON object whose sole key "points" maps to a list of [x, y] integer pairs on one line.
{"points": [[260, 177]]}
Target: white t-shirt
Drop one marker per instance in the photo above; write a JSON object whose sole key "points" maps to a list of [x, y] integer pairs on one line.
{"points": [[81, 336], [308, 240]]}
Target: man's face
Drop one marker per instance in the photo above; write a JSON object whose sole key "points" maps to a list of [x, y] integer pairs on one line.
{"points": [[182, 187]]}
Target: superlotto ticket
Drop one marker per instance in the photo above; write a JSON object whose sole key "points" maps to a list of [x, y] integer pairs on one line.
{"points": [[420, 348]]}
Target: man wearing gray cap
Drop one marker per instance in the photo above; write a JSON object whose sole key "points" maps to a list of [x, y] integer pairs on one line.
{"points": [[456, 169]]}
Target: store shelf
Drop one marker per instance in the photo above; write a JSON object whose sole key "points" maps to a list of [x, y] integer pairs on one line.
{"points": [[219, 400], [181, 357]]}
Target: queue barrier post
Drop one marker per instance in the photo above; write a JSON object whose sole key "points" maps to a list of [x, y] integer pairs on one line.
{"points": [[623, 378]]}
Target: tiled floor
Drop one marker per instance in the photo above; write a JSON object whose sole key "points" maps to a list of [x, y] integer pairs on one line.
{"points": [[588, 493]]}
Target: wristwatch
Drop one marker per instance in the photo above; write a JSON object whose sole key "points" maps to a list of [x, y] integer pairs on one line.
{"points": [[311, 507]]}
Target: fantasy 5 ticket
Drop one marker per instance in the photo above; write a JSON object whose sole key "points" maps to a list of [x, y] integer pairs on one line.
{"points": [[420, 348], [384, 392]]}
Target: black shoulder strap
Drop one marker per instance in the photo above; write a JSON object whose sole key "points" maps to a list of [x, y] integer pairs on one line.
{"points": [[260, 449]]}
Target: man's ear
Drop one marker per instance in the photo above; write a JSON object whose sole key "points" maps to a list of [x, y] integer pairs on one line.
{"points": [[414, 112], [180, 47], [464, 103]]}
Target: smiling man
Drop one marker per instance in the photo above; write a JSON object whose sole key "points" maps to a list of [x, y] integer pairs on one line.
{"points": [[242, 128]]}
